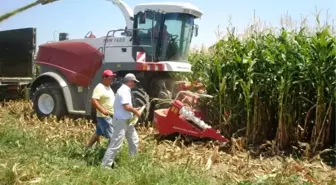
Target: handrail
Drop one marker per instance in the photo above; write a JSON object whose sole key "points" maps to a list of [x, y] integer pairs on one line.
{"points": [[127, 31]]}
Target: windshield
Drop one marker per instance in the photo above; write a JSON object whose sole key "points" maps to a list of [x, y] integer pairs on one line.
{"points": [[166, 40], [176, 37]]}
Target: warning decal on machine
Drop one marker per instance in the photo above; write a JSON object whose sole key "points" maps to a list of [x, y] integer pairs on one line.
{"points": [[141, 57]]}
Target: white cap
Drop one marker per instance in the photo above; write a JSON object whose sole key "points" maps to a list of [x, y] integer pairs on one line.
{"points": [[130, 76]]}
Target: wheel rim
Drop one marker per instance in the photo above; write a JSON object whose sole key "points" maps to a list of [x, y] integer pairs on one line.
{"points": [[46, 103]]}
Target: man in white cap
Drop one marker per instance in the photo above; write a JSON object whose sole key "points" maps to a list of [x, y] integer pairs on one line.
{"points": [[123, 112]]}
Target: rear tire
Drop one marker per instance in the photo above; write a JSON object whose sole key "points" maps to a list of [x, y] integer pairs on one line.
{"points": [[48, 100], [158, 88], [93, 116], [139, 99]]}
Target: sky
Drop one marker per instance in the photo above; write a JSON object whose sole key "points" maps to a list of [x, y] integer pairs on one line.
{"points": [[78, 17]]}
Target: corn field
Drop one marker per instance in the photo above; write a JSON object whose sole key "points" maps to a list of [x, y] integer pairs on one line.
{"points": [[272, 85]]}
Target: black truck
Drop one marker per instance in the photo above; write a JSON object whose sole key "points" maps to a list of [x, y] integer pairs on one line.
{"points": [[17, 69]]}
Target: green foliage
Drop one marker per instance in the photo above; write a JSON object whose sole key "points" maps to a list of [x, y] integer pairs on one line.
{"points": [[278, 85], [51, 152], [28, 156], [24, 8]]}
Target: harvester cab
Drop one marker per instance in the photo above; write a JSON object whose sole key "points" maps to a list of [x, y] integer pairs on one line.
{"points": [[153, 45], [184, 117]]}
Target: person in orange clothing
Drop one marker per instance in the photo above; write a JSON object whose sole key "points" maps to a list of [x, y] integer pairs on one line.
{"points": [[196, 86]]}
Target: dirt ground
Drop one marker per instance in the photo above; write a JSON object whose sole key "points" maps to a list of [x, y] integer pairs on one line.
{"points": [[237, 165]]}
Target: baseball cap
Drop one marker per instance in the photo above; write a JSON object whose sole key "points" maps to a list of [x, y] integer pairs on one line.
{"points": [[130, 76], [108, 72]]}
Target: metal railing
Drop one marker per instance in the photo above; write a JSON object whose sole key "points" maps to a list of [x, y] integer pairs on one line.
{"points": [[127, 32]]}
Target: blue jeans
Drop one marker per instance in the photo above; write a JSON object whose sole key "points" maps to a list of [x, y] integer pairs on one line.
{"points": [[104, 127]]}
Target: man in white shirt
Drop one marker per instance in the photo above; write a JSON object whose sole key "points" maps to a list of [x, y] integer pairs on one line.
{"points": [[102, 101], [123, 112]]}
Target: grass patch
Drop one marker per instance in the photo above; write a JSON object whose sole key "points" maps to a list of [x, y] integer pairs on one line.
{"points": [[26, 156], [51, 152]]}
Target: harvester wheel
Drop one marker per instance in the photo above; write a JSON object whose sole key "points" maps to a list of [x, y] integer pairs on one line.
{"points": [[48, 100], [158, 88], [93, 116], [141, 98]]}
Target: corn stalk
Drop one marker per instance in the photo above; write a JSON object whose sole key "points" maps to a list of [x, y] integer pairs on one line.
{"points": [[277, 84]]}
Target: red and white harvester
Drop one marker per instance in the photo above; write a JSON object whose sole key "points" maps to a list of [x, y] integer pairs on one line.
{"points": [[153, 45]]}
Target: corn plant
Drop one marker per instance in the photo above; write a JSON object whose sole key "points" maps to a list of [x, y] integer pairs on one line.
{"points": [[322, 68], [279, 85]]}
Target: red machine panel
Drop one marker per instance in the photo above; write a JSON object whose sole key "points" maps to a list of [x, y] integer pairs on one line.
{"points": [[77, 61], [168, 121]]}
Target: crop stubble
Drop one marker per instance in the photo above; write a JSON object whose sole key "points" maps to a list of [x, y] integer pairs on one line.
{"points": [[235, 165]]}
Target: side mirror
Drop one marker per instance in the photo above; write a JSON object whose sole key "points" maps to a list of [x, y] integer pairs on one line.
{"points": [[124, 32], [63, 36], [196, 30], [142, 17]]}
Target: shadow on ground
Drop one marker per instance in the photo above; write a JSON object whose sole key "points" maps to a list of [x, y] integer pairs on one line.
{"points": [[328, 156]]}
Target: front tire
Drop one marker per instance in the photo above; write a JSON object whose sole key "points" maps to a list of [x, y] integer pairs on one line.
{"points": [[141, 98], [48, 100]]}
